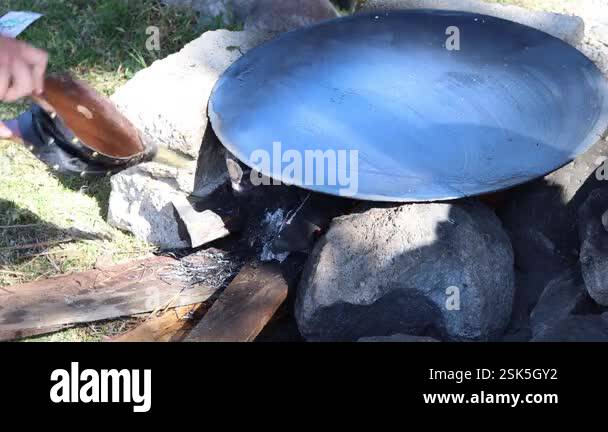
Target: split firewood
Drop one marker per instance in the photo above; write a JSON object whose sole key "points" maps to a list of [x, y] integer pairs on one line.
{"points": [[242, 311], [170, 326], [142, 286]]}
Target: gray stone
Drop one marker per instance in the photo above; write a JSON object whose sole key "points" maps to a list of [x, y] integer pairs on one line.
{"points": [[231, 11], [595, 15], [579, 328], [562, 297], [594, 245], [202, 226], [398, 338], [141, 202], [211, 170], [548, 210], [594, 46], [143, 198], [568, 28], [167, 101], [528, 289], [533, 249], [541, 219], [537, 262], [277, 16], [400, 269], [274, 16]]}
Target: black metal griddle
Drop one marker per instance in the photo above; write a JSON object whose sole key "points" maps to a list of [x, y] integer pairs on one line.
{"points": [[428, 123]]}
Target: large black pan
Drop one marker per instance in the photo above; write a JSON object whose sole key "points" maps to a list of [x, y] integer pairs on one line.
{"points": [[428, 123]]}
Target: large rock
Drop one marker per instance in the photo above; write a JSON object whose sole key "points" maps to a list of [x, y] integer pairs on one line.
{"points": [[594, 44], [167, 101], [568, 28], [563, 297], [264, 15], [578, 328], [594, 245], [274, 15], [537, 262], [278, 16], [528, 289], [142, 202], [541, 217], [595, 15], [230, 11], [401, 270]]}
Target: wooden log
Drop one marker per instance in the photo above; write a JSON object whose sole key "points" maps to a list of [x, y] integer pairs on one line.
{"points": [[133, 288], [245, 307], [171, 326]]}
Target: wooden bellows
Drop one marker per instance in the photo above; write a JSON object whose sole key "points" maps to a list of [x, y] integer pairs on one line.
{"points": [[92, 118]]}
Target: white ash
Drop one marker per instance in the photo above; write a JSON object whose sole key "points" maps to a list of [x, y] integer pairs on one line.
{"points": [[272, 225], [219, 268]]}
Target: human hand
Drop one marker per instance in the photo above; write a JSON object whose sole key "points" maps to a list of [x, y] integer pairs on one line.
{"points": [[22, 69]]}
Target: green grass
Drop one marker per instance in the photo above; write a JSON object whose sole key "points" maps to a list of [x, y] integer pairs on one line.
{"points": [[104, 43]]}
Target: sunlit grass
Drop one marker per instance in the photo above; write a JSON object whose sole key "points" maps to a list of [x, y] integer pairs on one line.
{"points": [[52, 225]]}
